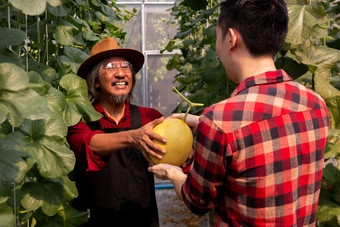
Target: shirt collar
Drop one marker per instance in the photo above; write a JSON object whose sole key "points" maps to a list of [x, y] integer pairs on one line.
{"points": [[100, 109], [270, 77]]}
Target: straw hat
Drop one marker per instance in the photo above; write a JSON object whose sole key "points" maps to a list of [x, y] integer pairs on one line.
{"points": [[106, 48]]}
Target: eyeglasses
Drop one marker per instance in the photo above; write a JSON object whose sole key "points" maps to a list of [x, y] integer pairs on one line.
{"points": [[113, 67]]}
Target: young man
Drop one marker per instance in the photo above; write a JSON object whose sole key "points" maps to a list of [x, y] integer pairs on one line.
{"points": [[113, 181], [258, 156]]}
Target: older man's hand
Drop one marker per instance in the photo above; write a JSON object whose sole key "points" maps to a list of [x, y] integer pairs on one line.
{"points": [[142, 140]]}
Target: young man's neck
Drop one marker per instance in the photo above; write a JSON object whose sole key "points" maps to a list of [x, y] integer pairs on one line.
{"points": [[247, 66]]}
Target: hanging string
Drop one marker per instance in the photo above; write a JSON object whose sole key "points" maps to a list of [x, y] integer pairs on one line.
{"points": [[46, 36], [26, 45], [38, 34], [9, 19]]}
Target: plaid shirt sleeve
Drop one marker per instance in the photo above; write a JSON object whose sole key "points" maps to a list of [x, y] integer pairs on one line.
{"points": [[258, 156], [206, 180]]}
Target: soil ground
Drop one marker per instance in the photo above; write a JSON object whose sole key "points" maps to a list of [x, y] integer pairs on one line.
{"points": [[173, 212]]}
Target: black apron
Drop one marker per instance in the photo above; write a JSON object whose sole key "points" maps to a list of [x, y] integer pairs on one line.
{"points": [[123, 193]]}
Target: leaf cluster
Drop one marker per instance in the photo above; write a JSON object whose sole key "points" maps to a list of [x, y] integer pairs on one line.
{"points": [[310, 56], [42, 44]]}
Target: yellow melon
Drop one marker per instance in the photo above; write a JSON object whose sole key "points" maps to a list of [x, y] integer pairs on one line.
{"points": [[179, 141]]}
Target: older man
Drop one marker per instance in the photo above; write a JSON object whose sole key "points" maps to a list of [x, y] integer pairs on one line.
{"points": [[112, 161]]}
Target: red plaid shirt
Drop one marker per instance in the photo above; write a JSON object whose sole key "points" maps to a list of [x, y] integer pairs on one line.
{"points": [[258, 155]]}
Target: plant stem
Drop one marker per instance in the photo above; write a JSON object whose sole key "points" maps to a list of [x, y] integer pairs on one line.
{"points": [[190, 103]]}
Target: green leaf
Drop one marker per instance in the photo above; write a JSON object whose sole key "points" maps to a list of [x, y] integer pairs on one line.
{"points": [[12, 163], [6, 213], [56, 100], [333, 106], [196, 4], [63, 32], [291, 67], [56, 103], [56, 3], [69, 189], [78, 104], [320, 60], [66, 216], [46, 194], [43, 146], [16, 100], [46, 72], [7, 56], [73, 58], [302, 20], [88, 34], [11, 36], [59, 11], [335, 192], [73, 217], [209, 76], [331, 173], [30, 7]]}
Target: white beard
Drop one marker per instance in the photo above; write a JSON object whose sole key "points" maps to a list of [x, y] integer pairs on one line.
{"points": [[118, 99]]}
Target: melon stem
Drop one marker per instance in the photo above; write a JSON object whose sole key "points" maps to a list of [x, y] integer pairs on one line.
{"points": [[187, 100]]}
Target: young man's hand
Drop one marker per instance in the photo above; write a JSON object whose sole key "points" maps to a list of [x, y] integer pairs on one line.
{"points": [[172, 173], [191, 120]]}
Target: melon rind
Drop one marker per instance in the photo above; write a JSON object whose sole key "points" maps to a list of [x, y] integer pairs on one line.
{"points": [[179, 141]]}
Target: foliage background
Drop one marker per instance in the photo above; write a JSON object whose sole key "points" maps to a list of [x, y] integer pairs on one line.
{"points": [[310, 55], [42, 43]]}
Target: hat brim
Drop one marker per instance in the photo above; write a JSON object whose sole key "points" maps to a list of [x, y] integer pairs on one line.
{"points": [[133, 56]]}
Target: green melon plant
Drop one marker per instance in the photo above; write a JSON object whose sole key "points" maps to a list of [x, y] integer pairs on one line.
{"points": [[42, 43], [310, 55]]}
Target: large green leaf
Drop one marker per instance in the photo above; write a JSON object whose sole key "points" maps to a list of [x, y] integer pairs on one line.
{"points": [[73, 217], [66, 216], [88, 34], [196, 4], [56, 3], [320, 60], [47, 73], [331, 173], [78, 105], [69, 189], [11, 36], [7, 56], [302, 20], [291, 67], [6, 213], [46, 194], [63, 32], [49, 195], [56, 102], [333, 105], [30, 7], [17, 101], [328, 210], [73, 58], [12, 163], [60, 11], [52, 155]]}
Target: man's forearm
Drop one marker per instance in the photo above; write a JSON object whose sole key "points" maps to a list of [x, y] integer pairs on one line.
{"points": [[177, 178], [105, 143]]}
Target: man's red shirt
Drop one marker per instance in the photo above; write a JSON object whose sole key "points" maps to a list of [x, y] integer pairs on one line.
{"points": [[80, 135]]}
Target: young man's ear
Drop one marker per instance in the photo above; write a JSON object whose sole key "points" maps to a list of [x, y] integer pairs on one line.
{"points": [[233, 38]]}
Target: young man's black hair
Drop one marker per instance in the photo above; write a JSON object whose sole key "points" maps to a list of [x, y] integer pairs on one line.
{"points": [[263, 25]]}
